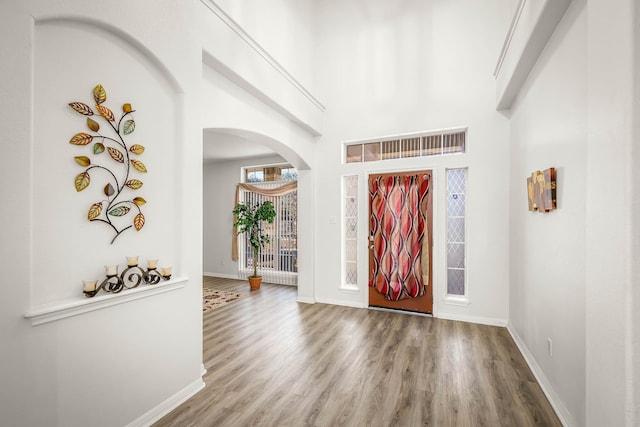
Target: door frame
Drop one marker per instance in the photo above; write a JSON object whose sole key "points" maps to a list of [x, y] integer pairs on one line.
{"points": [[431, 289]]}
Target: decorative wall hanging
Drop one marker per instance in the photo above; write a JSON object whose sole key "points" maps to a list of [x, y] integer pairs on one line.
{"points": [[541, 190], [116, 207]]}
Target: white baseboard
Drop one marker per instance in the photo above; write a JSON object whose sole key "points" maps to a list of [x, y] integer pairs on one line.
{"points": [[221, 275], [557, 405], [306, 300], [473, 319], [168, 405], [341, 302]]}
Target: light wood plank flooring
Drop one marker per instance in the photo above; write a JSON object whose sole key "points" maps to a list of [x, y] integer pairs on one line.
{"points": [[274, 362]]}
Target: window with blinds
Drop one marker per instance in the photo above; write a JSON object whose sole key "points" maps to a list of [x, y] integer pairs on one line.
{"points": [[429, 144], [278, 261], [270, 173]]}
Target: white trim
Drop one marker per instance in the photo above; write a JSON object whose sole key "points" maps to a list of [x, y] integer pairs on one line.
{"points": [[168, 405], [400, 311], [556, 403], [305, 300], [221, 275], [293, 285], [532, 27], [236, 28], [457, 300], [64, 309], [507, 41], [341, 303], [491, 321], [350, 288]]}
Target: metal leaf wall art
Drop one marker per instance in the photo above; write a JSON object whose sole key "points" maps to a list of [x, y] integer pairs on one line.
{"points": [[117, 163]]}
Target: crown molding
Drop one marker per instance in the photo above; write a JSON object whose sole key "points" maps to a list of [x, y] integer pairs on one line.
{"points": [[237, 28], [532, 26]]}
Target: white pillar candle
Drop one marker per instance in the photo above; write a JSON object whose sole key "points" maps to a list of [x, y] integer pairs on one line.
{"points": [[166, 271], [152, 264], [112, 270], [89, 285], [132, 261]]}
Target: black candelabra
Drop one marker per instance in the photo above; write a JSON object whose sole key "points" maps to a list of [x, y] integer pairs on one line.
{"points": [[132, 277]]}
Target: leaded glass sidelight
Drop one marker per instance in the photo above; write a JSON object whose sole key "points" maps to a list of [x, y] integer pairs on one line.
{"points": [[456, 209], [350, 230]]}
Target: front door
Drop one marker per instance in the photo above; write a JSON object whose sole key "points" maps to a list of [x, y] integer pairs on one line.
{"points": [[400, 241]]}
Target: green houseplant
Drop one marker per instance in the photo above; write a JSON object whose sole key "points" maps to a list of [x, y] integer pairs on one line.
{"points": [[248, 218]]}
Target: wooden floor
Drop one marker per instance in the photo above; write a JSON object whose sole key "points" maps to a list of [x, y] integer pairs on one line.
{"points": [[274, 362]]}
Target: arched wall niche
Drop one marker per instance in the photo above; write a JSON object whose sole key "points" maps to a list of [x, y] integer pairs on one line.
{"points": [[71, 55]]}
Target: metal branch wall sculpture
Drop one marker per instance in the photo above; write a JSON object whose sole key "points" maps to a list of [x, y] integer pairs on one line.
{"points": [[116, 206]]}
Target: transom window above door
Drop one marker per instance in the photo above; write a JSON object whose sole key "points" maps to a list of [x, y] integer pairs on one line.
{"points": [[434, 143]]}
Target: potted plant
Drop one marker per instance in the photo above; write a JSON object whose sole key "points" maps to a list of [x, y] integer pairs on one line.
{"points": [[248, 219]]}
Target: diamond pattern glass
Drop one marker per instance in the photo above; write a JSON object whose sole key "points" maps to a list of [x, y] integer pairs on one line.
{"points": [[456, 204], [350, 261], [351, 185], [455, 282], [351, 228], [455, 230], [351, 250], [455, 255], [351, 273], [456, 210], [351, 207], [455, 181]]}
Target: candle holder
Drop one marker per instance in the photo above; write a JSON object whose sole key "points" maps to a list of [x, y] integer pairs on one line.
{"points": [[132, 277]]}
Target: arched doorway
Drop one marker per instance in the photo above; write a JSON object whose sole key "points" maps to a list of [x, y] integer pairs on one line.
{"points": [[225, 152]]}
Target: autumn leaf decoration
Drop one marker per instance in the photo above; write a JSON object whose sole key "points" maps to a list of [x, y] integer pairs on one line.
{"points": [[117, 164]]}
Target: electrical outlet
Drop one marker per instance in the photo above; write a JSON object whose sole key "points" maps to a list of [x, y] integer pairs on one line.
{"points": [[550, 346]]}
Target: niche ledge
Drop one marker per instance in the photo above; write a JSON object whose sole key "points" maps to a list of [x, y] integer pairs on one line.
{"points": [[61, 310]]}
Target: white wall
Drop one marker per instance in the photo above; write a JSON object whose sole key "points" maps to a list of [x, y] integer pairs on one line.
{"points": [[612, 396], [585, 78], [387, 68], [229, 107], [105, 367], [219, 192], [283, 28], [547, 296], [232, 51]]}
